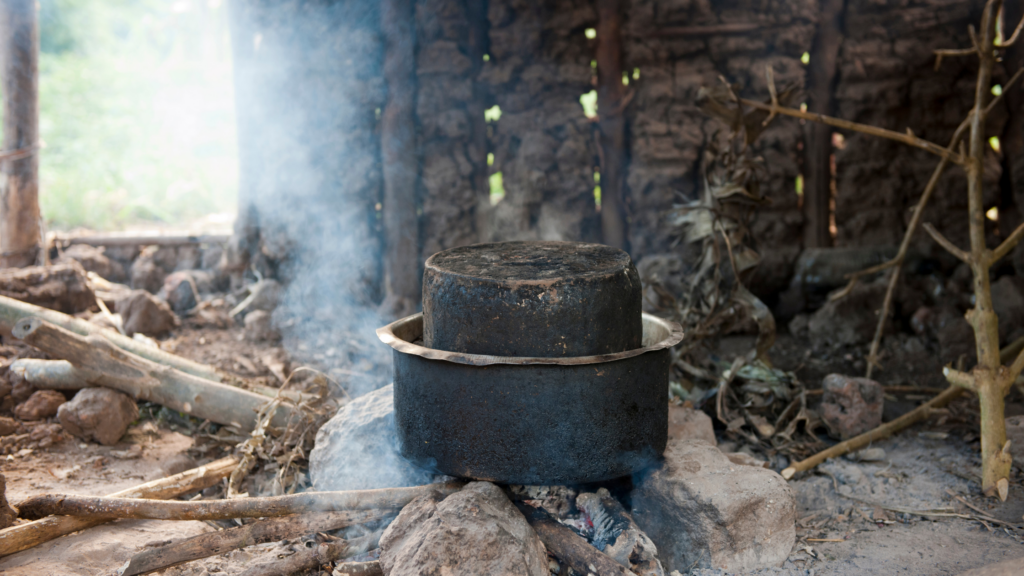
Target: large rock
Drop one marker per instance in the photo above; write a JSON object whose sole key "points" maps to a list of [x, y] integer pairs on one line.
{"points": [[851, 406], [94, 259], [848, 320], [98, 414], [41, 404], [143, 313], [63, 287], [358, 448], [703, 511], [685, 423], [474, 531]]}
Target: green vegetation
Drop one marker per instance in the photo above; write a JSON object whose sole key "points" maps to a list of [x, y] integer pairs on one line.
{"points": [[136, 112]]}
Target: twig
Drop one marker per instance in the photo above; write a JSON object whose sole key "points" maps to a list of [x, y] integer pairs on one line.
{"points": [[884, 431], [908, 139], [24, 536], [100, 507], [1004, 248], [214, 543], [946, 243]]}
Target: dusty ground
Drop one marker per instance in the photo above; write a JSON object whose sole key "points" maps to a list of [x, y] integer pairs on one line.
{"points": [[846, 501]]}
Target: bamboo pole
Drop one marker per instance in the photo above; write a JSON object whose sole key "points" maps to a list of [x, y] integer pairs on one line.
{"points": [[19, 186], [25, 536]]}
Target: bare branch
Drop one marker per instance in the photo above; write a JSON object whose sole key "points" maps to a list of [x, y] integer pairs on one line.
{"points": [[958, 378], [857, 127], [945, 243], [1004, 248], [1013, 37], [1015, 368]]}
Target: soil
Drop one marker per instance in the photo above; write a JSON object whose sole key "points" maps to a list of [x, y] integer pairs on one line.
{"points": [[878, 511]]}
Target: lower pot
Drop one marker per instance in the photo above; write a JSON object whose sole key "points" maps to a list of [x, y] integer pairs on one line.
{"points": [[513, 420]]}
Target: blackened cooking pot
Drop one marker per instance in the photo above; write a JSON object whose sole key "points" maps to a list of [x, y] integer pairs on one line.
{"points": [[531, 420]]}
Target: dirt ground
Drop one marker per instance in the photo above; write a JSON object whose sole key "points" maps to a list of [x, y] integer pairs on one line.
{"points": [[895, 516]]}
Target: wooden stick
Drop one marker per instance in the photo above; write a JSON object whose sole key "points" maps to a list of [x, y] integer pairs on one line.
{"points": [[371, 568], [11, 311], [25, 536], [884, 431], [214, 543], [49, 374], [611, 136], [302, 561], [95, 506], [564, 544], [144, 239], [101, 363]]}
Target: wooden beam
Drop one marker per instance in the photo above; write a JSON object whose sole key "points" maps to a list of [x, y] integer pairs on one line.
{"points": [[398, 153], [821, 79], [610, 103], [19, 189]]}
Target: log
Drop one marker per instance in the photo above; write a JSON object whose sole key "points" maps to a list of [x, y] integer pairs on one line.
{"points": [[371, 568], [399, 157], [302, 560], [25, 536], [821, 79], [612, 138], [20, 237], [214, 543], [11, 311], [564, 544], [96, 506], [103, 364], [63, 287]]}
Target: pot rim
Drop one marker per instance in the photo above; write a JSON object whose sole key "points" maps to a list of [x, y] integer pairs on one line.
{"points": [[400, 335]]}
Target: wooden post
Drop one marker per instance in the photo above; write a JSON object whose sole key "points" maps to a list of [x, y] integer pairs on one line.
{"points": [[476, 13], [398, 153], [821, 78], [247, 120], [610, 93], [19, 182]]}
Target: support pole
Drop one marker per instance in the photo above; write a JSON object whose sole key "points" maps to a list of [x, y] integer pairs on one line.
{"points": [[19, 172], [398, 152], [610, 104], [821, 79]]}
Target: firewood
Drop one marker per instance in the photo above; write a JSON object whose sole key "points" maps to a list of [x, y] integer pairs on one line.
{"points": [[25, 536], [214, 543], [302, 561], [570, 548], [101, 363], [371, 568], [12, 310], [106, 507]]}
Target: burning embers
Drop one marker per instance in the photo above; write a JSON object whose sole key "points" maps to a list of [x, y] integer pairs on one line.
{"points": [[537, 366]]}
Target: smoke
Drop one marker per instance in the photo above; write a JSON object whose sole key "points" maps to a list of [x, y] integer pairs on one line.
{"points": [[309, 95]]}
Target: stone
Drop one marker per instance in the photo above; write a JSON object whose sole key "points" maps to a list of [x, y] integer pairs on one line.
{"points": [[474, 531], [8, 426], [955, 336], [98, 414], [848, 321], [21, 390], [180, 291], [7, 514], [1008, 304], [45, 435], [744, 459], [40, 405], [1015, 434], [687, 424], [146, 274], [63, 286], [259, 328], [851, 406], [93, 259], [703, 511], [799, 325], [357, 449], [143, 313]]}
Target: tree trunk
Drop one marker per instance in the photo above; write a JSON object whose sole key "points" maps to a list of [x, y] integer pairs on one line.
{"points": [[821, 79], [610, 94], [398, 154], [19, 189]]}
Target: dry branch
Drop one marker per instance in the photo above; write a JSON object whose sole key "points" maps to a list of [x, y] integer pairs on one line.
{"points": [[302, 561], [101, 363], [24, 536], [564, 544], [214, 543], [884, 431], [95, 506], [11, 311]]}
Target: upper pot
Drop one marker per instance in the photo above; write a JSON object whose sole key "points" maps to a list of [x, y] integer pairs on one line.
{"points": [[534, 299]]}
